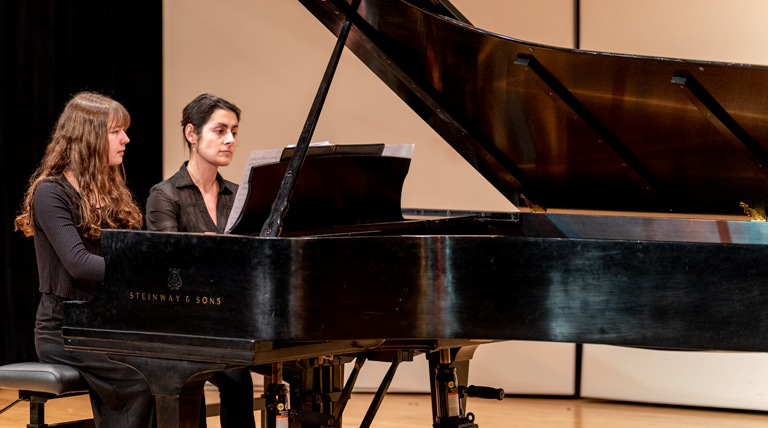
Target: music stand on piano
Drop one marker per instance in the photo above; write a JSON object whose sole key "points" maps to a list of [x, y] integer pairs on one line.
{"points": [[339, 185]]}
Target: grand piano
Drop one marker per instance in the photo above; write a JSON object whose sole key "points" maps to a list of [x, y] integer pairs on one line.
{"points": [[667, 156]]}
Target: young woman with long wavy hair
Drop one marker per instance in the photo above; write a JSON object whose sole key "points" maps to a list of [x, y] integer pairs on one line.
{"points": [[78, 189]]}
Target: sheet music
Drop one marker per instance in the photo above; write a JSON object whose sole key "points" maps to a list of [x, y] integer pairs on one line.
{"points": [[255, 158], [399, 150]]}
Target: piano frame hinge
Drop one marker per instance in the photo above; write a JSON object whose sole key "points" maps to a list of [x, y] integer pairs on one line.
{"points": [[533, 207], [757, 214]]}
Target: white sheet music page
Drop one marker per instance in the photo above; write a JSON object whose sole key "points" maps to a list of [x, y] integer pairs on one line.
{"points": [[255, 158]]}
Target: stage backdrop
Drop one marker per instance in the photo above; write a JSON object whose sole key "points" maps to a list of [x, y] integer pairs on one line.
{"points": [[50, 50]]}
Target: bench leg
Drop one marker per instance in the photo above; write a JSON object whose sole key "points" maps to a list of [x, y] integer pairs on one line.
{"points": [[37, 412], [37, 416]]}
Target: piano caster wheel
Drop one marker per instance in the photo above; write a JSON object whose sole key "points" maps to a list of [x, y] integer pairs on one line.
{"points": [[455, 422]]}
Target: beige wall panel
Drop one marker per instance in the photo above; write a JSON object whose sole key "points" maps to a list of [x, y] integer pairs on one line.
{"points": [[712, 30], [547, 22], [736, 380]]}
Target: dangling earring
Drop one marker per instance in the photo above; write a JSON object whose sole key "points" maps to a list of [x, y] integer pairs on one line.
{"points": [[194, 148]]}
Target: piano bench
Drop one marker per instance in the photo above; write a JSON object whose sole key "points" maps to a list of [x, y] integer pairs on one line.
{"points": [[40, 382]]}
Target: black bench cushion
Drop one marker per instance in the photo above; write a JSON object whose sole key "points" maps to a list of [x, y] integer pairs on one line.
{"points": [[54, 379]]}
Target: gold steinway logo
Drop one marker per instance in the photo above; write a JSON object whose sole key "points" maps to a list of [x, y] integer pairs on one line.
{"points": [[174, 298], [174, 283]]}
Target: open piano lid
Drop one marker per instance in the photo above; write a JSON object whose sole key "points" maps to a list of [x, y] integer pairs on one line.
{"points": [[566, 128]]}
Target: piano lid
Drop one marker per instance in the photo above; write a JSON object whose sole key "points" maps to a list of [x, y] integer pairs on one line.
{"points": [[567, 128]]}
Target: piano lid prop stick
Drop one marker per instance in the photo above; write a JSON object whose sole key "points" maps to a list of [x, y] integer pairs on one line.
{"points": [[274, 223]]}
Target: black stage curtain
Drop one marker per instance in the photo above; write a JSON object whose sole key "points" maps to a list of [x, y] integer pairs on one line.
{"points": [[50, 50]]}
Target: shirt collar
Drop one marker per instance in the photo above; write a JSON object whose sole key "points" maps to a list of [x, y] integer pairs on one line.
{"points": [[183, 179]]}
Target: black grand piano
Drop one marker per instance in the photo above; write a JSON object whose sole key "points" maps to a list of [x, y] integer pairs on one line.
{"points": [[554, 128]]}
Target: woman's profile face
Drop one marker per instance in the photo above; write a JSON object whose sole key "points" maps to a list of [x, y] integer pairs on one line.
{"points": [[218, 139], [117, 141]]}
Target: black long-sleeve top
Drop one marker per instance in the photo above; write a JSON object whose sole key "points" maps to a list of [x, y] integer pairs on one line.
{"points": [[69, 264]]}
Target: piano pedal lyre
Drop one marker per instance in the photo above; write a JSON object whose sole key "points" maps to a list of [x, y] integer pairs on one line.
{"points": [[450, 396], [316, 398]]}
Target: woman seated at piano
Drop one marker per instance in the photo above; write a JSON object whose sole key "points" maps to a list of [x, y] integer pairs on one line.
{"points": [[198, 199], [78, 189]]}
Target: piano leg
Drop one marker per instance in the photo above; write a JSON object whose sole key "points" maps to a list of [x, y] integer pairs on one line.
{"points": [[449, 378], [276, 400], [447, 374], [176, 385]]}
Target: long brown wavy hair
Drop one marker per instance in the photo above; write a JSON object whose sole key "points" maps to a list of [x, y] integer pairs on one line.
{"points": [[80, 144]]}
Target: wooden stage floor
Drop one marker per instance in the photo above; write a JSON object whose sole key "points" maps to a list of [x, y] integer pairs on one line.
{"points": [[413, 410]]}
